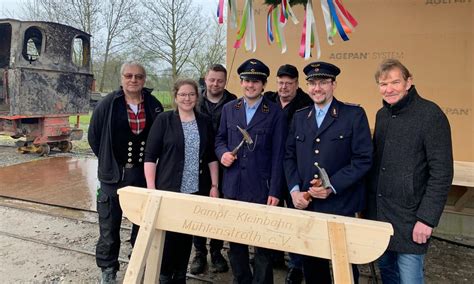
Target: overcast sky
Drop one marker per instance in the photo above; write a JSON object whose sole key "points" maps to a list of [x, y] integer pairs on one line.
{"points": [[12, 8]]}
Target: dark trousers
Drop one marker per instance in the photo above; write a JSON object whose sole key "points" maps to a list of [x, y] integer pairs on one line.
{"points": [[176, 252], [200, 245], [239, 260], [110, 218], [316, 270]]}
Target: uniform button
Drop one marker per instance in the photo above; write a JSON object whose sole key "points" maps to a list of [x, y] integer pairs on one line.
{"points": [[200, 171], [200, 161], [394, 116], [383, 169], [143, 142], [140, 160], [297, 137], [379, 195], [130, 143], [316, 164], [141, 148], [316, 176], [130, 149], [318, 140], [316, 151], [129, 154], [340, 136], [129, 160], [141, 154]]}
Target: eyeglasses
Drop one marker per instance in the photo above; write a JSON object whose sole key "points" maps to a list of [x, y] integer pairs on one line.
{"points": [[129, 76], [286, 84], [321, 84], [183, 95]]}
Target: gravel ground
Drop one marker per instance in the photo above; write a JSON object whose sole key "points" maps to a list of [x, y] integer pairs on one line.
{"points": [[445, 262]]}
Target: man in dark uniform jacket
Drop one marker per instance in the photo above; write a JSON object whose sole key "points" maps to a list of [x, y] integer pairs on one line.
{"points": [[254, 174], [412, 172], [290, 97], [334, 136], [117, 135], [212, 100]]}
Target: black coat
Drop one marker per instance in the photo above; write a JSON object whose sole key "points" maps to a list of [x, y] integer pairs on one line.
{"points": [[214, 111], [341, 145], [166, 143], [100, 132], [413, 168]]}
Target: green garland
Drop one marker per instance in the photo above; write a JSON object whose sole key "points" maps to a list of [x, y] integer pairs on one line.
{"points": [[292, 2]]}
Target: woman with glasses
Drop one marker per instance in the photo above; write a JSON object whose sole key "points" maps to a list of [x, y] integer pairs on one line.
{"points": [[182, 141]]}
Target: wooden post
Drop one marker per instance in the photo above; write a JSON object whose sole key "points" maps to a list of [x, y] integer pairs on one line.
{"points": [[147, 234], [341, 268]]}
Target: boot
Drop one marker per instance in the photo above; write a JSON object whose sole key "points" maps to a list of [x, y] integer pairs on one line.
{"points": [[198, 264], [219, 263], [109, 276]]}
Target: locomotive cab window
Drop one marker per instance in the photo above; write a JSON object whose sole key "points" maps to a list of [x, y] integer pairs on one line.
{"points": [[80, 51], [5, 44], [32, 44]]}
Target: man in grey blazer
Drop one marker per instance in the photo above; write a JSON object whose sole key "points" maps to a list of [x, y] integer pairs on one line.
{"points": [[411, 174]]}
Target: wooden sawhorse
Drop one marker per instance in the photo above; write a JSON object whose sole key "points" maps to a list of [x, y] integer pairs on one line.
{"points": [[344, 240]]}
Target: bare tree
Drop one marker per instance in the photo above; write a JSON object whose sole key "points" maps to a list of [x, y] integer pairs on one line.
{"points": [[171, 31], [212, 51], [119, 18]]}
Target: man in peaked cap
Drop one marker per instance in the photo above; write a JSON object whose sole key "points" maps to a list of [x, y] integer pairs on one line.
{"points": [[254, 173], [336, 137], [290, 97]]}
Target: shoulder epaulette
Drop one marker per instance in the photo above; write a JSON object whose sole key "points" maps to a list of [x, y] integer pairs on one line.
{"points": [[306, 107], [351, 104]]}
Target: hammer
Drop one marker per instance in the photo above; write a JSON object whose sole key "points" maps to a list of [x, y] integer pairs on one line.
{"points": [[246, 138]]}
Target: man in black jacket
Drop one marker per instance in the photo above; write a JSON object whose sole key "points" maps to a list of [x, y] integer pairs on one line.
{"points": [[290, 97], [212, 99], [117, 134], [411, 174]]}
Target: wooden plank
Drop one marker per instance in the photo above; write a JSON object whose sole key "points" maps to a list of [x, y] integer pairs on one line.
{"points": [[342, 269], [153, 262], [144, 240], [464, 174], [271, 227]]}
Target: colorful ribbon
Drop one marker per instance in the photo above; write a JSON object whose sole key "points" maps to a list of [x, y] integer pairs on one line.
{"points": [[275, 28], [247, 23], [309, 36], [220, 12]]}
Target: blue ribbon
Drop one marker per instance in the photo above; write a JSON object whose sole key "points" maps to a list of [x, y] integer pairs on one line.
{"points": [[339, 27]]}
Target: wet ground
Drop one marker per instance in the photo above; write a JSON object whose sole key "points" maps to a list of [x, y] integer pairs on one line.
{"points": [[50, 243]]}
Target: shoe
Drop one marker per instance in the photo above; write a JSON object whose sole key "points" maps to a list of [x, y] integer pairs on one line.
{"points": [[219, 263], [294, 276], [198, 264], [109, 276]]}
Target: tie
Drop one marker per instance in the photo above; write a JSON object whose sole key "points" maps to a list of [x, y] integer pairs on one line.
{"points": [[319, 117]]}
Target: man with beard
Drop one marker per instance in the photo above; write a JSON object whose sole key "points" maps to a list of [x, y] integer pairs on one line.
{"points": [[334, 136]]}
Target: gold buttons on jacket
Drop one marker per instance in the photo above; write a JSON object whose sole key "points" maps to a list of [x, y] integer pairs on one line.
{"points": [[316, 151], [318, 140]]}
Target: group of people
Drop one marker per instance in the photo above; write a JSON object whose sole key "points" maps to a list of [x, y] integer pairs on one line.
{"points": [[401, 174]]}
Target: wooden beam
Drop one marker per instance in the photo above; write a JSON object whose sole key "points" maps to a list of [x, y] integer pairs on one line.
{"points": [[271, 227]]}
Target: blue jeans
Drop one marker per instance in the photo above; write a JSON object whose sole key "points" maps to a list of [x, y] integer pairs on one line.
{"points": [[401, 268]]}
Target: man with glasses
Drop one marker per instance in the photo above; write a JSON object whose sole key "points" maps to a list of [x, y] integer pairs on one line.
{"points": [[254, 173], [290, 97], [336, 137], [117, 135], [212, 100]]}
